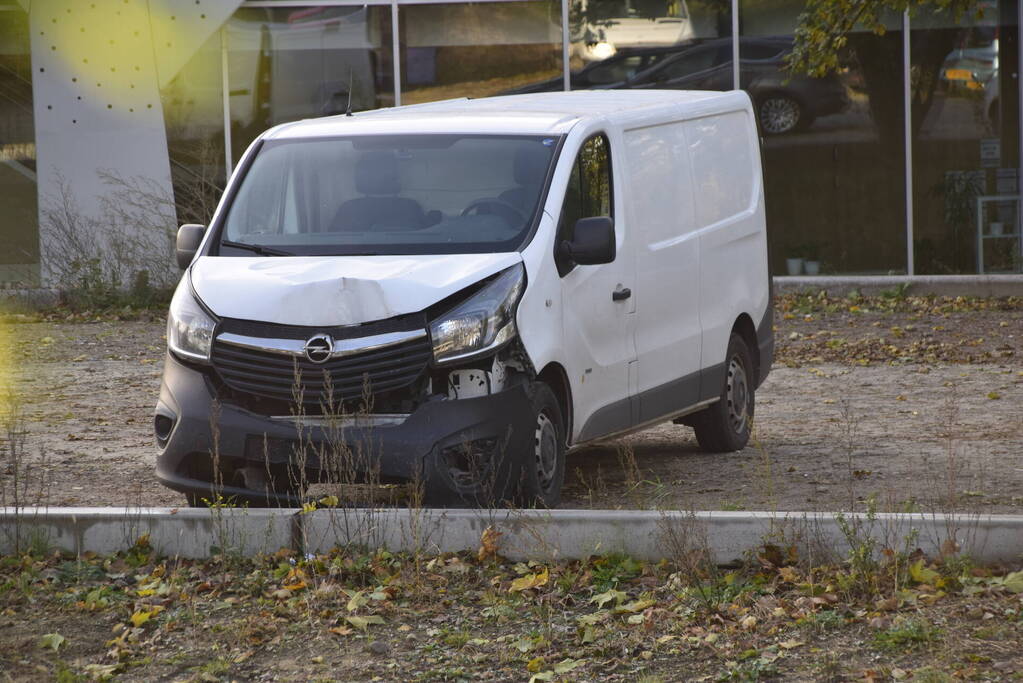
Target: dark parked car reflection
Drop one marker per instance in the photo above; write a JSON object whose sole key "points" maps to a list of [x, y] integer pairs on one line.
{"points": [[784, 102]]}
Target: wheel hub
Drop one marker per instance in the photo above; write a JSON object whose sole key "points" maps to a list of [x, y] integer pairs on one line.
{"points": [[779, 115], [737, 394], [545, 450]]}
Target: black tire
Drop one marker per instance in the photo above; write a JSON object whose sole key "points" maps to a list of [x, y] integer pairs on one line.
{"points": [[725, 426], [528, 468], [542, 470], [780, 114]]}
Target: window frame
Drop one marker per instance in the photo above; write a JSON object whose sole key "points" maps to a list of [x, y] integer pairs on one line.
{"points": [[218, 225], [564, 266]]}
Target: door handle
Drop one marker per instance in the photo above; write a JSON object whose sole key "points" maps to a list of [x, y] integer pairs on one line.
{"points": [[621, 294]]}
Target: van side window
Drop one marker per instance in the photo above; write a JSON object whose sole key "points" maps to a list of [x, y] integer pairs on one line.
{"points": [[589, 186]]}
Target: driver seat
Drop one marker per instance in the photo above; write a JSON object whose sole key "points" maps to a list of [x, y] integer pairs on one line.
{"points": [[376, 177], [529, 170]]}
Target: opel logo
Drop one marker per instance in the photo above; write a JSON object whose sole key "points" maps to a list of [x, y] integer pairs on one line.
{"points": [[319, 348]]}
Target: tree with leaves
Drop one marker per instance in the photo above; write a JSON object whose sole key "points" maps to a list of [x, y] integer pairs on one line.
{"points": [[832, 31]]}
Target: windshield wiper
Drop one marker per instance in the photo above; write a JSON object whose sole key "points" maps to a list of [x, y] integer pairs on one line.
{"points": [[262, 251]]}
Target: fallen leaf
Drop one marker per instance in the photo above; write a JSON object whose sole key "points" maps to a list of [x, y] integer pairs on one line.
{"points": [[566, 665], [364, 622], [607, 596], [53, 641], [357, 600], [142, 616], [530, 581], [635, 606], [921, 574], [1014, 582], [488, 544]]}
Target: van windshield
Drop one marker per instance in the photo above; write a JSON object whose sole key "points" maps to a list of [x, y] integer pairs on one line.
{"points": [[404, 194]]}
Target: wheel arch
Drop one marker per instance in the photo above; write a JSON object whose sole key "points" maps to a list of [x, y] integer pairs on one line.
{"points": [[744, 327], [554, 376]]}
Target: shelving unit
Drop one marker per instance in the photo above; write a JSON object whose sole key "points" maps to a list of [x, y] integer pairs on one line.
{"points": [[1007, 217]]}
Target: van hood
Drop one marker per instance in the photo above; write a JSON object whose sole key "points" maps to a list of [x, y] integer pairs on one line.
{"points": [[322, 291]]}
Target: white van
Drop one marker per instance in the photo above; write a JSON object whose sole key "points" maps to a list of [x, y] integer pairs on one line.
{"points": [[457, 293]]}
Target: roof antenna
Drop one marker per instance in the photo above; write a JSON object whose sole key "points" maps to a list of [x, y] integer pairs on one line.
{"points": [[351, 81]]}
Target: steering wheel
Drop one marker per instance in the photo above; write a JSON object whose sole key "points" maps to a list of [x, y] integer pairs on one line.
{"points": [[507, 210]]}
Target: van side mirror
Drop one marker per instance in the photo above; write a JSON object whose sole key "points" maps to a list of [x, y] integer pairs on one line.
{"points": [[189, 239], [593, 242]]}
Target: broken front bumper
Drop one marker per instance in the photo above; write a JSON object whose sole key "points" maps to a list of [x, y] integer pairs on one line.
{"points": [[432, 445]]}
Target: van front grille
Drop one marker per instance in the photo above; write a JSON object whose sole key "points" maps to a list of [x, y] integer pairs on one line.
{"points": [[276, 376]]}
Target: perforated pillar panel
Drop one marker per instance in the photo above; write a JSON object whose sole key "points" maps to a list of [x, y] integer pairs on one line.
{"points": [[97, 70], [180, 27]]}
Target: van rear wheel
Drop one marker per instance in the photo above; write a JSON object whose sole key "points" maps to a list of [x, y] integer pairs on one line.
{"points": [[725, 426]]}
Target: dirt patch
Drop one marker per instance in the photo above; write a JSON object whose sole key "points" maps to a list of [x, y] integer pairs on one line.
{"points": [[904, 404]]}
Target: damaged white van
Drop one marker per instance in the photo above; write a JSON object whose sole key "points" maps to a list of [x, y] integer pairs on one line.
{"points": [[460, 292]]}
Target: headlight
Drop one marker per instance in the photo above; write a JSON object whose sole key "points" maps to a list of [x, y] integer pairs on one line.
{"points": [[483, 321], [189, 327], [603, 50]]}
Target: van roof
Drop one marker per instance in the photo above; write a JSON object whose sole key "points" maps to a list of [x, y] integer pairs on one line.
{"points": [[552, 113]]}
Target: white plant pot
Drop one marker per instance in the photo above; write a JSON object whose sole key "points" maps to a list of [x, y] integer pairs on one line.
{"points": [[812, 267], [794, 266]]}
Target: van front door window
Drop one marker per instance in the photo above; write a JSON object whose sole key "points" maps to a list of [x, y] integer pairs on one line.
{"points": [[589, 186]]}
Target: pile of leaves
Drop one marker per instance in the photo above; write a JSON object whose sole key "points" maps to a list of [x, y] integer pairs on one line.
{"points": [[896, 329], [359, 615]]}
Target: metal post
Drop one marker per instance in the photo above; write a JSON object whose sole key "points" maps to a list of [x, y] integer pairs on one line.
{"points": [[736, 84], [566, 72], [396, 53], [907, 105], [225, 87], [1019, 119]]}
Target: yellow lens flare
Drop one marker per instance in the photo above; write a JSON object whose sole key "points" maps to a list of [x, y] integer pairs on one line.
{"points": [[112, 53], [7, 387]]}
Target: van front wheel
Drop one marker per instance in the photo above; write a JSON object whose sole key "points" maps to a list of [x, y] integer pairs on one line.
{"points": [[543, 467], [725, 426]]}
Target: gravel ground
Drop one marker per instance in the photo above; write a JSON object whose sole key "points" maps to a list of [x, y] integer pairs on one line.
{"points": [[913, 404]]}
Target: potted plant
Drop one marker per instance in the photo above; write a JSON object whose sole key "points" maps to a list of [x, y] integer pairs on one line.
{"points": [[811, 259], [794, 262]]}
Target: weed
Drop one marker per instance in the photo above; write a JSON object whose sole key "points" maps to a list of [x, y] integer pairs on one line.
{"points": [[756, 669], [896, 293], [910, 634], [929, 674], [823, 621], [612, 569], [64, 674], [828, 668], [214, 668]]}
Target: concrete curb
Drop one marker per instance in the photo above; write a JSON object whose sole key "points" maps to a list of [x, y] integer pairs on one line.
{"points": [[916, 285], [727, 537], [186, 532]]}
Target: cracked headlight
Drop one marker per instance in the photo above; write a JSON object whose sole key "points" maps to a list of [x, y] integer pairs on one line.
{"points": [[482, 322], [189, 326]]}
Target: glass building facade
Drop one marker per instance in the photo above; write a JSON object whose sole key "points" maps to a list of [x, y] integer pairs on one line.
{"points": [[904, 161]]}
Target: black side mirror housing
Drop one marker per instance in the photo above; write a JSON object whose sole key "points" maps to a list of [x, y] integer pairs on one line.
{"points": [[593, 242], [189, 239]]}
